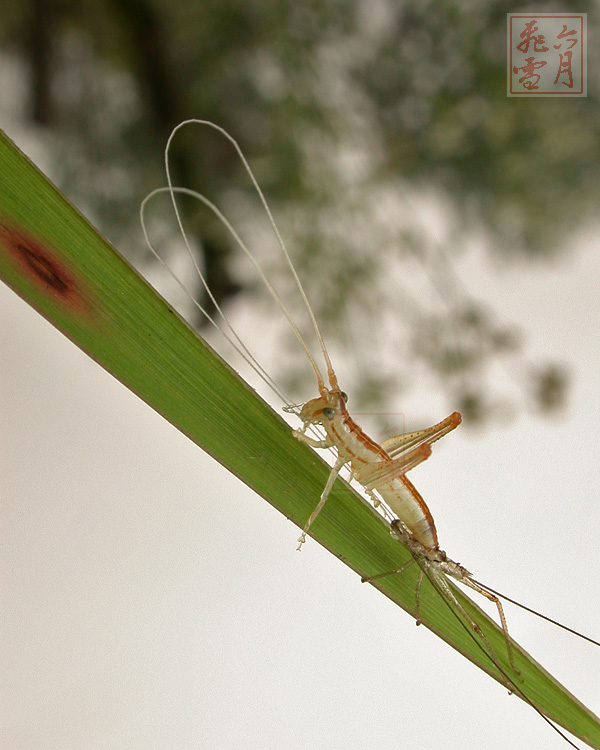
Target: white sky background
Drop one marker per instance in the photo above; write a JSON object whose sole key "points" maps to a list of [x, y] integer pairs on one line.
{"points": [[152, 601]]}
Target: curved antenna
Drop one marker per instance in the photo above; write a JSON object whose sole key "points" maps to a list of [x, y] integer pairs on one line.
{"points": [[223, 219], [234, 339], [537, 614], [274, 294]]}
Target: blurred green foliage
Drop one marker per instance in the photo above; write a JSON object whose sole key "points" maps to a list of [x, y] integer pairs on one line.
{"points": [[381, 133]]}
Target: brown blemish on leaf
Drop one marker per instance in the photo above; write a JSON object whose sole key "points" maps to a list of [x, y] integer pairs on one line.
{"points": [[40, 264]]}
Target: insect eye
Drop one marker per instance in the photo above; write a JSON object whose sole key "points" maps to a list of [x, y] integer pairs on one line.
{"points": [[344, 395], [329, 413]]}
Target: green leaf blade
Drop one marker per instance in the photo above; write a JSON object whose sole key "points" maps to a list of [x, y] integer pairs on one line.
{"points": [[54, 259]]}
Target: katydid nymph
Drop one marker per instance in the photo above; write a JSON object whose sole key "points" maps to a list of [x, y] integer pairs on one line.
{"points": [[379, 468]]}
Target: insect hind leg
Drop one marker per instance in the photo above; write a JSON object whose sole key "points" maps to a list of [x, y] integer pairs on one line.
{"points": [[440, 580], [418, 598], [493, 598]]}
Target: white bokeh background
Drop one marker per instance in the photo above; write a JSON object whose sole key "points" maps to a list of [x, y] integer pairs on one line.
{"points": [[150, 600]]}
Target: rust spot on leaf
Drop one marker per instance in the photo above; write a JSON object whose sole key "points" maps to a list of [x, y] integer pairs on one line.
{"points": [[40, 264]]}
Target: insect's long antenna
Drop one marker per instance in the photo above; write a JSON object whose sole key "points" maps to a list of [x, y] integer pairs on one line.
{"points": [[234, 339], [537, 614], [490, 655], [274, 294]]}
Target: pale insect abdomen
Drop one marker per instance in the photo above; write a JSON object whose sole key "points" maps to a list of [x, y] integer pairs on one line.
{"points": [[401, 496], [397, 492]]}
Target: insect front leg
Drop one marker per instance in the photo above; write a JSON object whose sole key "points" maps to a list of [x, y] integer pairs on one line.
{"points": [[396, 571], [321, 444], [324, 495]]}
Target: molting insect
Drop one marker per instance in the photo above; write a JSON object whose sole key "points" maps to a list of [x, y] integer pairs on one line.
{"points": [[380, 468]]}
